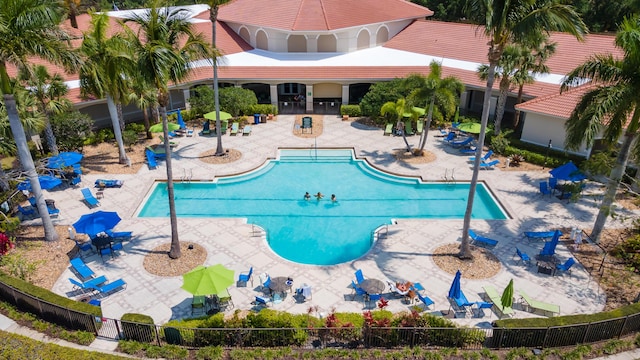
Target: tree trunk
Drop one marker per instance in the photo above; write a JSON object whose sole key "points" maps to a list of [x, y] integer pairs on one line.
{"points": [[120, 117], [4, 183], [213, 18], [425, 130], [24, 155], [502, 101], [50, 136], [174, 253], [612, 186], [147, 124], [113, 112], [516, 117], [465, 251]]}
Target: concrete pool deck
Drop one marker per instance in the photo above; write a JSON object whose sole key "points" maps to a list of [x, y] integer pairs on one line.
{"points": [[405, 254]]}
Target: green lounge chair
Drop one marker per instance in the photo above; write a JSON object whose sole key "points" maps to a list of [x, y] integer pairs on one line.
{"points": [[234, 128], [171, 143], [408, 127], [496, 299], [388, 130], [534, 305], [420, 127]]}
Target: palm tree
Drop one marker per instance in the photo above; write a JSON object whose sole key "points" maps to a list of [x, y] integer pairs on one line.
{"points": [[145, 97], [31, 28], [107, 71], [441, 96], [72, 7], [50, 91], [165, 45], [214, 5], [399, 109], [506, 22], [612, 105]]}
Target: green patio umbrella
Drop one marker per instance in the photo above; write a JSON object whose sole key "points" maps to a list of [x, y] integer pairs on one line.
{"points": [[472, 128], [507, 296], [223, 115], [158, 127], [210, 280]]}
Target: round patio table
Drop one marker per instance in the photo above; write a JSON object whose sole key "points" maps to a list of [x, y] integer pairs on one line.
{"points": [[280, 284], [372, 286]]}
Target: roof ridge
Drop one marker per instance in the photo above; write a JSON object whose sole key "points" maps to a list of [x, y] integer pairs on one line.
{"points": [[295, 21], [324, 15]]}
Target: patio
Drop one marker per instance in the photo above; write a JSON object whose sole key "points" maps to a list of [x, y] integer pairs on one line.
{"points": [[405, 254]]}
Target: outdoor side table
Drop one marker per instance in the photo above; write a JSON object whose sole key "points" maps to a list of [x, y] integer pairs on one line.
{"points": [[280, 284], [372, 286]]}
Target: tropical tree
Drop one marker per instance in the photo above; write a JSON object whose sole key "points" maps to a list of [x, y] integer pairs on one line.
{"points": [[398, 110], [214, 6], [50, 91], [72, 10], [166, 45], [611, 107], [31, 28], [107, 71], [440, 95], [145, 97], [507, 22]]}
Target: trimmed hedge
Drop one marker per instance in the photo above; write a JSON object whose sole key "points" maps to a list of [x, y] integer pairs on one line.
{"points": [[262, 109], [350, 110], [569, 319]]}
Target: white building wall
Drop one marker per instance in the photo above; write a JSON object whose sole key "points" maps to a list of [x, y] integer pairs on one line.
{"points": [[539, 129]]}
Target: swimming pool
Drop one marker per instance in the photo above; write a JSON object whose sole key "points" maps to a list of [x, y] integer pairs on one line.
{"points": [[320, 232]]}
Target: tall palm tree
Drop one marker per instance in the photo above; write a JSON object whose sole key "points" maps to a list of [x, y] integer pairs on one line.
{"points": [[613, 106], [506, 22], [107, 71], [165, 45], [440, 95], [214, 6], [145, 96], [399, 109], [31, 28], [72, 9], [50, 91]]}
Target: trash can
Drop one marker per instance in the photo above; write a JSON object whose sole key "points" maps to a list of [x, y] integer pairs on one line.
{"points": [[263, 118], [256, 119]]}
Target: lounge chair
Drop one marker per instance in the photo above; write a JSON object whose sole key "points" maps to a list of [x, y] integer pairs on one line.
{"points": [[462, 305], [87, 285], [359, 276], [76, 180], [198, 304], [190, 132], [246, 130], [81, 269], [566, 267], [532, 305], [244, 278], [151, 159], [84, 246], [481, 240], [262, 301], [538, 235], [357, 291], [489, 165], [53, 211], [425, 300], [89, 198], [544, 188], [450, 137], [234, 128], [484, 158], [462, 143], [265, 280], [496, 299], [394, 289], [408, 127], [119, 235], [419, 126], [524, 258], [388, 129], [171, 143], [101, 183], [110, 287], [28, 212]]}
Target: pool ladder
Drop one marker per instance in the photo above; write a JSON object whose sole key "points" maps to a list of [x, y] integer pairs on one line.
{"points": [[257, 230], [449, 178], [186, 177], [378, 234]]}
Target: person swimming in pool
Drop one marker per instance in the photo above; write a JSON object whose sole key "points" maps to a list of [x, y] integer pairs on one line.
{"points": [[307, 196], [333, 198], [319, 195]]}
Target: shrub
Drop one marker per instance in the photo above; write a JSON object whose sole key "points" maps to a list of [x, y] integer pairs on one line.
{"points": [[629, 251], [129, 137], [135, 127], [6, 244], [499, 143], [209, 353], [72, 130], [237, 101], [351, 110], [261, 109]]}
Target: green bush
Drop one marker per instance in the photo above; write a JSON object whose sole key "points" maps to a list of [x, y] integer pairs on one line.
{"points": [[261, 109], [209, 353], [138, 327], [135, 127], [72, 130], [129, 137], [351, 110]]}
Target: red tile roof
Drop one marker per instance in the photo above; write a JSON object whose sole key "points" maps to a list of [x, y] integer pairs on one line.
{"points": [[556, 104], [318, 15]]}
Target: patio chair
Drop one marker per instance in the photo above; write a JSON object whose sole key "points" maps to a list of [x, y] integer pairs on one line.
{"points": [[119, 235], [262, 301], [359, 276], [265, 280], [388, 129], [489, 165], [566, 267], [101, 183], [544, 188], [553, 183], [198, 305], [484, 157], [305, 291], [356, 290], [81, 269], [86, 286], [481, 240], [425, 300], [532, 305], [151, 159], [89, 199], [419, 127], [449, 138], [462, 143], [246, 277], [524, 258], [538, 235], [171, 143], [27, 213], [234, 128], [110, 287], [76, 180], [246, 130], [84, 246], [408, 127], [496, 299]]}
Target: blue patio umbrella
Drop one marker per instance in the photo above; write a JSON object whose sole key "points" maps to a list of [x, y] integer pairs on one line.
{"points": [[46, 182], [63, 159], [568, 172], [96, 222], [454, 291], [181, 121]]}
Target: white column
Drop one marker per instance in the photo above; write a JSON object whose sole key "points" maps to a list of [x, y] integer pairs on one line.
{"points": [[312, 43], [273, 89], [345, 94], [309, 96], [187, 95]]}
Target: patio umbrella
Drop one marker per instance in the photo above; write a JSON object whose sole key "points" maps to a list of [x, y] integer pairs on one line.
{"points": [[507, 296], [97, 222], [550, 246], [208, 280], [223, 115], [454, 291], [568, 172], [156, 128], [46, 182], [181, 121], [63, 159], [471, 128]]}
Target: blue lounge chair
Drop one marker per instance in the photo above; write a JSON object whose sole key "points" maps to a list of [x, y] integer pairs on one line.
{"points": [[538, 235], [449, 137], [27, 212], [234, 129], [87, 285], [524, 258], [110, 287], [359, 276], [119, 235], [244, 278], [108, 183], [462, 304], [89, 198], [481, 240], [76, 180], [246, 130], [151, 159], [84, 246], [484, 158], [356, 290], [425, 300], [489, 165], [566, 267], [262, 301], [544, 188], [462, 143], [81, 269]]}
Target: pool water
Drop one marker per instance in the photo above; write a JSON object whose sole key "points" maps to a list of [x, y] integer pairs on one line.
{"points": [[320, 232]]}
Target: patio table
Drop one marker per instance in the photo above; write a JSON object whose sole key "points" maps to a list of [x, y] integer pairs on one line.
{"points": [[280, 284], [372, 286]]}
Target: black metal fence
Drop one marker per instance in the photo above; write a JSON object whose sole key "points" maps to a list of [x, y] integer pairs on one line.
{"points": [[344, 337]]}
